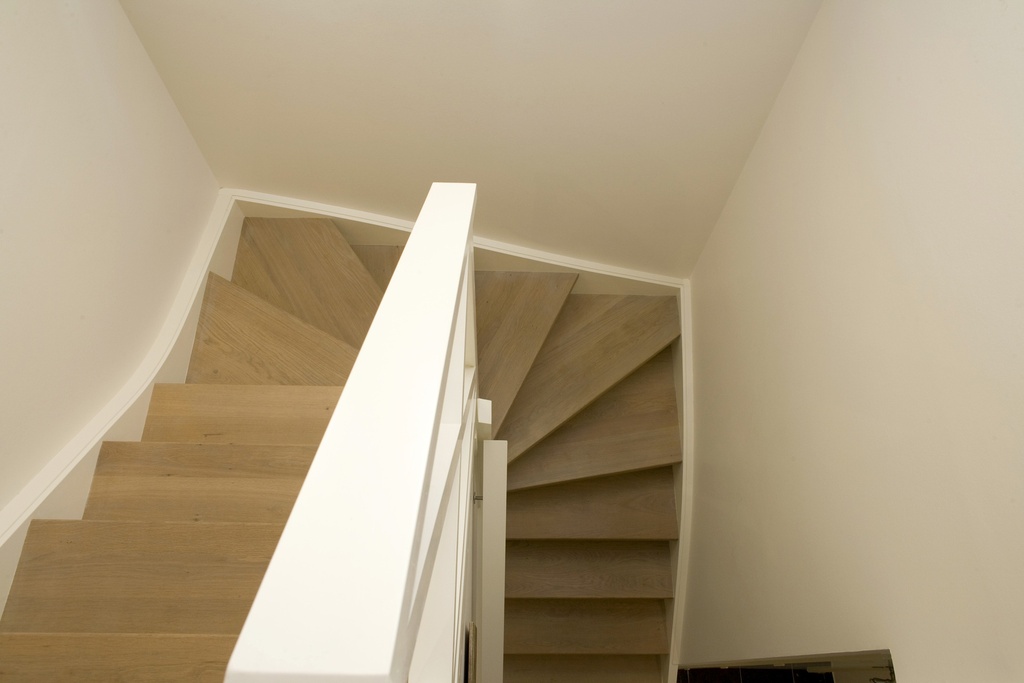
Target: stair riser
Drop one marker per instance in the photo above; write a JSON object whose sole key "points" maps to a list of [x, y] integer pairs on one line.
{"points": [[243, 340], [636, 505], [634, 426], [588, 569], [125, 658], [582, 669], [606, 627]]}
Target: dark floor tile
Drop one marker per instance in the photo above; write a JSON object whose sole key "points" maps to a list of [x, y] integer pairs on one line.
{"points": [[715, 676], [762, 675]]}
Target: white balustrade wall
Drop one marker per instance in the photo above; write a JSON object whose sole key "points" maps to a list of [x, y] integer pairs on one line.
{"points": [[368, 583]]}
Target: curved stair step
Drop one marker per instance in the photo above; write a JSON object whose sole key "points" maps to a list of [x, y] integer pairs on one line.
{"points": [[588, 569], [514, 314], [178, 482], [106, 657], [594, 343], [635, 505], [632, 426], [138, 577], [305, 267], [630, 627], [380, 261], [242, 339], [231, 413], [582, 669]]}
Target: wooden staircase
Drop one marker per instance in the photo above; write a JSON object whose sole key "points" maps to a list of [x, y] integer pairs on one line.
{"points": [[154, 583], [593, 434]]}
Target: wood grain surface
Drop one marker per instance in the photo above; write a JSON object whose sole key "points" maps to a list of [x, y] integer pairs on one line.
{"points": [[588, 569], [138, 577], [241, 339], [113, 657], [305, 267], [635, 505], [634, 627], [514, 313], [596, 341], [588, 668], [380, 261], [197, 482], [634, 425], [227, 413]]}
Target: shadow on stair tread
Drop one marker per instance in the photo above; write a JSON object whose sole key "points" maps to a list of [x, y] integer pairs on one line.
{"points": [[106, 657], [595, 342], [305, 267], [587, 569], [515, 313], [571, 626], [582, 669], [138, 577], [232, 413], [242, 339], [152, 481], [633, 505], [632, 426]]}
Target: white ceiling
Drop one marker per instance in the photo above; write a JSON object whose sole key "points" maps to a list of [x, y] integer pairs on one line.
{"points": [[607, 130]]}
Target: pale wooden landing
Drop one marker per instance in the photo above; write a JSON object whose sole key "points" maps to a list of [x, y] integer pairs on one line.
{"points": [[182, 482], [138, 577], [109, 657], [633, 426], [635, 505], [227, 413], [629, 627], [596, 341], [588, 569], [305, 267], [241, 339], [514, 313], [582, 669], [380, 261]]}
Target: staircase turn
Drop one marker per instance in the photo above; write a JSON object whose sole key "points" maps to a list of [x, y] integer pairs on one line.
{"points": [[593, 434], [154, 583]]}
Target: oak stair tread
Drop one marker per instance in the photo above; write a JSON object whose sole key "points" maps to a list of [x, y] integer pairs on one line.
{"points": [[228, 413], [633, 627], [197, 482], [632, 426], [380, 261], [587, 569], [582, 669], [305, 267], [106, 657], [594, 343], [514, 314], [241, 339], [635, 505], [138, 577]]}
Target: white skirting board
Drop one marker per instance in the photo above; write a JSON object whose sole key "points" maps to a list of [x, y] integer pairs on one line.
{"points": [[59, 490]]}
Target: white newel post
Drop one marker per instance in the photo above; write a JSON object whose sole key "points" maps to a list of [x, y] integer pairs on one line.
{"points": [[491, 639]]}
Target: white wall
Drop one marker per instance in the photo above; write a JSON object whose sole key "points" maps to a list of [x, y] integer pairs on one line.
{"points": [[103, 194], [593, 129], [859, 343]]}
